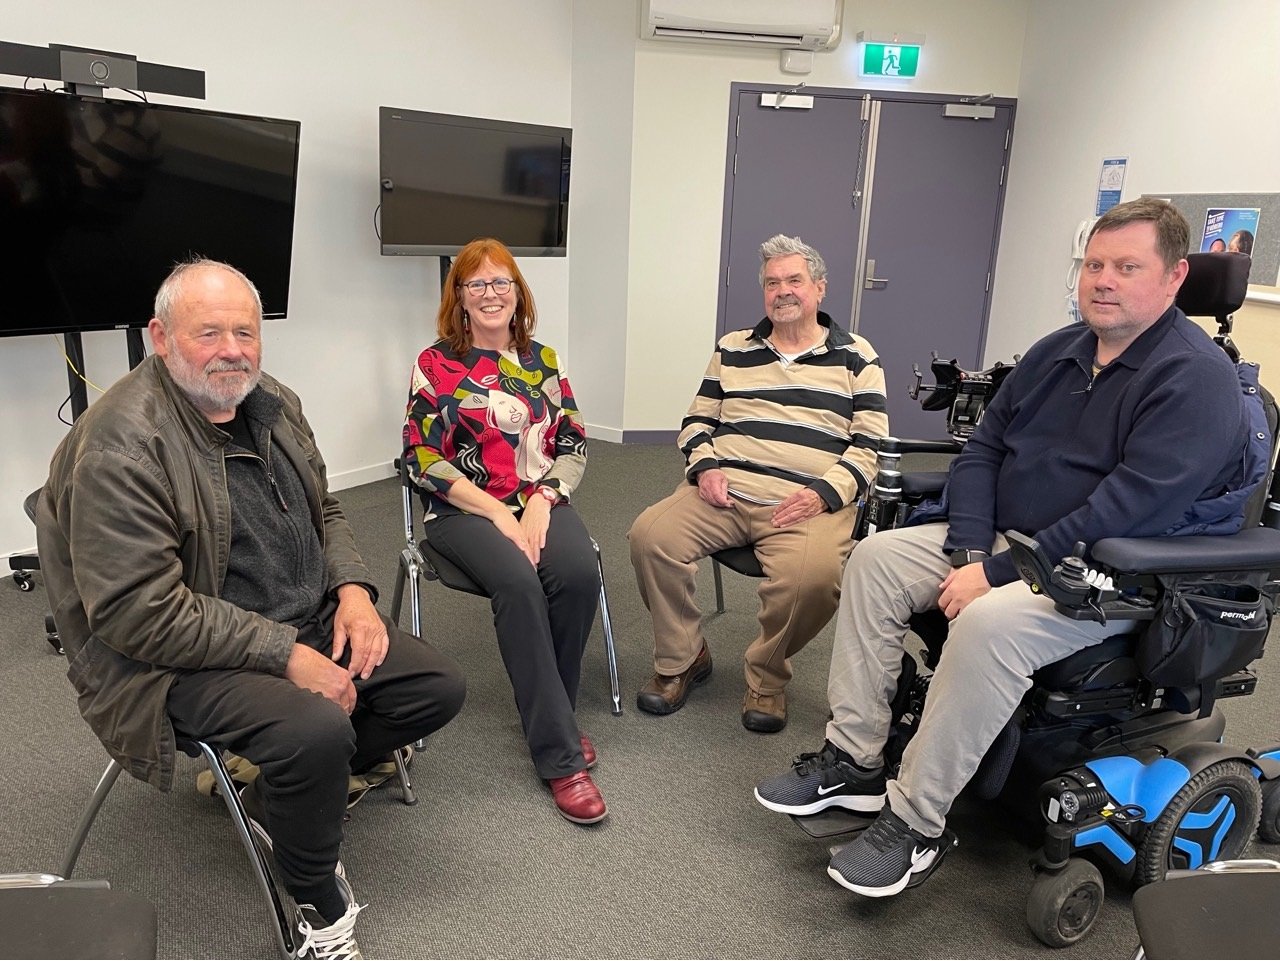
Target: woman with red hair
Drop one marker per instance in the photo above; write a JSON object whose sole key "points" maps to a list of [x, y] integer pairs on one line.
{"points": [[496, 445]]}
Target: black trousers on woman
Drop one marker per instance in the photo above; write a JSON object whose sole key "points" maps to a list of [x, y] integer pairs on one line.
{"points": [[542, 617]]}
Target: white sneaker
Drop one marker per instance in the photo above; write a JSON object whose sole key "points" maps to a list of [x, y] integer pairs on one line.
{"points": [[338, 940]]}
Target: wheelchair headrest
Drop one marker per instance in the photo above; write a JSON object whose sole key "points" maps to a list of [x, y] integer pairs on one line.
{"points": [[1216, 285]]}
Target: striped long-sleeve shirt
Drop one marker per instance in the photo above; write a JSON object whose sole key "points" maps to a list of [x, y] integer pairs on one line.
{"points": [[774, 427]]}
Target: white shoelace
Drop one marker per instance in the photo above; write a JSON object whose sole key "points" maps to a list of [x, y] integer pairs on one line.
{"points": [[337, 941]]}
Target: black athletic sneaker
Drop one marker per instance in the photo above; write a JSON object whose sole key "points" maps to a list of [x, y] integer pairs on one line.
{"points": [[820, 781], [884, 858]]}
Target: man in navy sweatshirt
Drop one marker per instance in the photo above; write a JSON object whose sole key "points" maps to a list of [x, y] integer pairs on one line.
{"points": [[1131, 425]]}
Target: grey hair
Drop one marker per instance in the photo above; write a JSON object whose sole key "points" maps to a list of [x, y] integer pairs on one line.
{"points": [[167, 295], [780, 245]]}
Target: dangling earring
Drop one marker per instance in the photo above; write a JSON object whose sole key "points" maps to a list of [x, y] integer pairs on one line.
{"points": [[466, 320]]}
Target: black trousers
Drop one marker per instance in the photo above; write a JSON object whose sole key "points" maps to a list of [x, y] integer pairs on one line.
{"points": [[307, 746], [542, 617]]}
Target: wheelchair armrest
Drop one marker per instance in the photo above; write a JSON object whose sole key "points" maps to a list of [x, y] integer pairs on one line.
{"points": [[898, 445], [920, 484], [1255, 549]]}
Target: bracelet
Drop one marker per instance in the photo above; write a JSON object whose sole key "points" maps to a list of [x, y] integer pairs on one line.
{"points": [[552, 495]]}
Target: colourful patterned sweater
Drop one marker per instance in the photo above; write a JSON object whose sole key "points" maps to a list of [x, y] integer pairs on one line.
{"points": [[507, 423]]}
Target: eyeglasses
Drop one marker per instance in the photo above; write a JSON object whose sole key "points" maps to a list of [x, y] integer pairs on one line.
{"points": [[500, 286]]}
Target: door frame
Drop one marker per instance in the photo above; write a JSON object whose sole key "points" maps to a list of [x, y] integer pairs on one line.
{"points": [[866, 162]]}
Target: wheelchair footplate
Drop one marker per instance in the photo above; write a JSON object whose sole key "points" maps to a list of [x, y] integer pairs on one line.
{"points": [[832, 822], [949, 841]]}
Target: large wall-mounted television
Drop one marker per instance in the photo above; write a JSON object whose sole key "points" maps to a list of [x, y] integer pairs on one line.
{"points": [[100, 198], [446, 180]]}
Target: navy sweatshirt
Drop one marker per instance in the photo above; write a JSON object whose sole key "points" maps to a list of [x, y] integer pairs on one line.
{"points": [[1065, 456]]}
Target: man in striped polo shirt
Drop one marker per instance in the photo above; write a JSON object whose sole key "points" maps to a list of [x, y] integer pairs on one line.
{"points": [[771, 464]]}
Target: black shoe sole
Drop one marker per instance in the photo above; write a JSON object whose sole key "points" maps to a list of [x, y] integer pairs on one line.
{"points": [[656, 704], [763, 723]]}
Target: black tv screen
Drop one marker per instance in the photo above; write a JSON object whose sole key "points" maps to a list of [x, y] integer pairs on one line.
{"points": [[100, 198], [447, 180]]}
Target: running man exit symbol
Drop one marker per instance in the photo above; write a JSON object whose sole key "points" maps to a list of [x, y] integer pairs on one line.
{"points": [[890, 60]]}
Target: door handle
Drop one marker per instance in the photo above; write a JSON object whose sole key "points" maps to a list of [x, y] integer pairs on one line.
{"points": [[873, 282]]}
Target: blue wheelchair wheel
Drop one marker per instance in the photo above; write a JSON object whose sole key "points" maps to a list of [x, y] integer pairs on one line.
{"points": [[1212, 818]]}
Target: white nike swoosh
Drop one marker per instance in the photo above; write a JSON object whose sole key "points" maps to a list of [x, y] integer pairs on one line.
{"points": [[823, 792], [922, 859]]}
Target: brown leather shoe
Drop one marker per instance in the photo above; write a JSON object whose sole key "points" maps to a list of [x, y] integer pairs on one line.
{"points": [[764, 713], [666, 694], [588, 750], [577, 798]]}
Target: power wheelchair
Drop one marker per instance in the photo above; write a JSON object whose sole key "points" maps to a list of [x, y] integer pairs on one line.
{"points": [[1124, 768]]}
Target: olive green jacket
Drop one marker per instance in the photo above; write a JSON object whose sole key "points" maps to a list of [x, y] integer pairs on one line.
{"points": [[134, 528]]}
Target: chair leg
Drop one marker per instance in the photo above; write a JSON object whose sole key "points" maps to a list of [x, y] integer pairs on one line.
{"points": [[105, 783], [261, 866], [715, 573], [397, 597], [606, 621], [402, 772]]}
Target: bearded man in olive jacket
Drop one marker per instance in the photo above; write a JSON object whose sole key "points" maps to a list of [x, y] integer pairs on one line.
{"points": [[206, 584]]}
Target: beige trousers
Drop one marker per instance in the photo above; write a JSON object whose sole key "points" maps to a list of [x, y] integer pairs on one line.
{"points": [[798, 594]]}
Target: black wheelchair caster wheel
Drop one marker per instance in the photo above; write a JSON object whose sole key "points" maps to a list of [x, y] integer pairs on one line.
{"points": [[24, 581], [1063, 905], [1269, 824], [1212, 818]]}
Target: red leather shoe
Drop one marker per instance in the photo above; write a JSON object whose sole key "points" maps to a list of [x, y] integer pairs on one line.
{"points": [[588, 751], [577, 798]]}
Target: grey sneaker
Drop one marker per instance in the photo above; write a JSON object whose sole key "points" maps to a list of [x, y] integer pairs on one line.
{"points": [[337, 940], [820, 781], [886, 857]]}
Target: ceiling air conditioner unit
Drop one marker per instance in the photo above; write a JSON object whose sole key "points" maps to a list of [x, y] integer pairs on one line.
{"points": [[794, 24]]}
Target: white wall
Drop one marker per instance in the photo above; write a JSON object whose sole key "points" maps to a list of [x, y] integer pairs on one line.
{"points": [[678, 166], [356, 319], [1188, 91], [599, 209]]}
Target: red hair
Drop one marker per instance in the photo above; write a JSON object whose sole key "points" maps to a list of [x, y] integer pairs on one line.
{"points": [[449, 320]]}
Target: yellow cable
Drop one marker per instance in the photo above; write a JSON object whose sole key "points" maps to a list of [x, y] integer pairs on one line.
{"points": [[62, 350]]}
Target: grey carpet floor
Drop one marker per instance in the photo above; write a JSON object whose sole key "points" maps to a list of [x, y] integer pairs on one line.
{"points": [[686, 865]]}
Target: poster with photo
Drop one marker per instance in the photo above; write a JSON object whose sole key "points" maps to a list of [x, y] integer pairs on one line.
{"points": [[1232, 229]]}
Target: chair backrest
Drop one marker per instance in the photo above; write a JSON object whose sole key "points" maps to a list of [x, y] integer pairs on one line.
{"points": [[1215, 286]]}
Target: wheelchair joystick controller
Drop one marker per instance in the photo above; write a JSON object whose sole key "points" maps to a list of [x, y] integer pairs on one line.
{"points": [[1072, 574]]}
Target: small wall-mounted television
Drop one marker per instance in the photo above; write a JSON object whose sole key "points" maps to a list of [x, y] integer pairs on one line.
{"points": [[446, 180], [100, 198]]}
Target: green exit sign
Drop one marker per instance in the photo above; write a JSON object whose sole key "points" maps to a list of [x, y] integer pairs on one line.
{"points": [[890, 60]]}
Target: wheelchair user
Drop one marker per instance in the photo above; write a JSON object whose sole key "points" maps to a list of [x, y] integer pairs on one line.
{"points": [[1133, 425]]}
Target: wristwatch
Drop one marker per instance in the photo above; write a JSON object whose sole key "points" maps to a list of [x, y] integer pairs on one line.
{"points": [[967, 556], [551, 494]]}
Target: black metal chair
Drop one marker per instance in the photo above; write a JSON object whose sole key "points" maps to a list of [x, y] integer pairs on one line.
{"points": [[23, 565], [419, 560]]}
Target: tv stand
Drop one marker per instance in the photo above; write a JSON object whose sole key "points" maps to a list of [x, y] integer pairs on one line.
{"points": [[76, 376]]}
